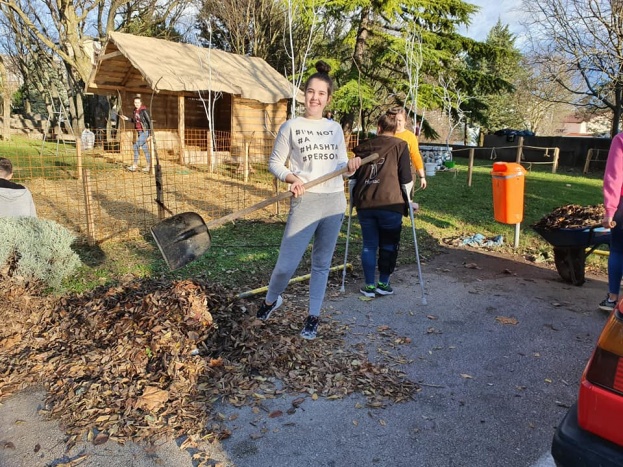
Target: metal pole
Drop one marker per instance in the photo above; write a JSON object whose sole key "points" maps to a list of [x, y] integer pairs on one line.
{"points": [[417, 254]]}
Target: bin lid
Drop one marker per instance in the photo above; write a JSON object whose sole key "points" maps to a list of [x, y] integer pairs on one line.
{"points": [[507, 168]]}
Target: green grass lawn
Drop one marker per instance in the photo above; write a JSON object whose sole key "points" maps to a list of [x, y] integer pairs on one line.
{"points": [[55, 160], [242, 254]]}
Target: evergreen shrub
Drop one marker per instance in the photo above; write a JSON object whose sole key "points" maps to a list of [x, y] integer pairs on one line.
{"points": [[37, 249]]}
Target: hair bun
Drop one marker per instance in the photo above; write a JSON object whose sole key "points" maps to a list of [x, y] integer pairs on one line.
{"points": [[392, 112], [323, 67]]}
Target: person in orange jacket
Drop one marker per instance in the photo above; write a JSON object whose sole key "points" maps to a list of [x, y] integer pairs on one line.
{"points": [[417, 165]]}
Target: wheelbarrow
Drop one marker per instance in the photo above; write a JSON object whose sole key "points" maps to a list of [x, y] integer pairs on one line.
{"points": [[571, 247]]}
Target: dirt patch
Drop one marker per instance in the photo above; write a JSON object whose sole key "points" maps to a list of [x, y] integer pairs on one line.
{"points": [[111, 202]]}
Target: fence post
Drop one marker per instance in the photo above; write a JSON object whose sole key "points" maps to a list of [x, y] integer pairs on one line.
{"points": [[555, 164], [181, 126], [470, 166], [276, 186], [79, 158], [519, 150], [88, 204], [210, 152], [246, 161]]}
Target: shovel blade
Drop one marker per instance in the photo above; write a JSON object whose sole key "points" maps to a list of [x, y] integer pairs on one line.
{"points": [[181, 238]]}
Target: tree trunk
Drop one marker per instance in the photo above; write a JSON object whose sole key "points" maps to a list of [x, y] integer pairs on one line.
{"points": [[6, 103], [348, 120], [616, 117]]}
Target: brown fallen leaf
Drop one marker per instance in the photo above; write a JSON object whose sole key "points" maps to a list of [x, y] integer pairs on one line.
{"points": [[506, 320], [275, 414], [8, 445], [101, 438], [298, 401], [152, 399]]}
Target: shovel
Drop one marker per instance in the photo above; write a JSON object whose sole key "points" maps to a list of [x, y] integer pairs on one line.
{"points": [[184, 237]]}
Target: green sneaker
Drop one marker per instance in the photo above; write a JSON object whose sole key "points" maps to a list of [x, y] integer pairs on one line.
{"points": [[384, 289], [368, 291]]}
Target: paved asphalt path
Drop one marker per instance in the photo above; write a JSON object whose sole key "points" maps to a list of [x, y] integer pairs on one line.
{"points": [[492, 392]]}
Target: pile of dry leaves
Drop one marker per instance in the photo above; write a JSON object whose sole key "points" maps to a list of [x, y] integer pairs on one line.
{"points": [[148, 359], [572, 216]]}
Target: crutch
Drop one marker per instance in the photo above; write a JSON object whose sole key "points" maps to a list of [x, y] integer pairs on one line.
{"points": [[351, 185], [417, 254]]}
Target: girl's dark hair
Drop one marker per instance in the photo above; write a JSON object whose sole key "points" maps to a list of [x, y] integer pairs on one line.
{"points": [[387, 121], [322, 73]]}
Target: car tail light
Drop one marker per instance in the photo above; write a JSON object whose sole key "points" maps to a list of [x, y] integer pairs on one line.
{"points": [[600, 403]]}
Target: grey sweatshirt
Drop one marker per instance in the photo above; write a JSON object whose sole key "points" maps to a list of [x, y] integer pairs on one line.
{"points": [[15, 200]]}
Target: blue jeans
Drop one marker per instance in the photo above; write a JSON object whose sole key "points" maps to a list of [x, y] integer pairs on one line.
{"points": [[380, 230], [141, 142]]}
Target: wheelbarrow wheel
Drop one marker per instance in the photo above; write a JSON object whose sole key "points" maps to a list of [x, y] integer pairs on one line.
{"points": [[570, 262]]}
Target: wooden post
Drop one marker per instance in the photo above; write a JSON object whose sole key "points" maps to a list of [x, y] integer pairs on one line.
{"points": [[181, 126], [519, 150], [247, 145], [555, 164], [587, 163], [79, 158], [516, 240], [211, 161], [470, 166], [276, 186], [88, 204]]}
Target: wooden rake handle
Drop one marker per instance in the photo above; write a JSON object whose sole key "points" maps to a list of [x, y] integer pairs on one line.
{"points": [[285, 195]]}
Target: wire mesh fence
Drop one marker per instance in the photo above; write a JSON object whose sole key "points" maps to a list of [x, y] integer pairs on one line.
{"points": [[85, 183]]}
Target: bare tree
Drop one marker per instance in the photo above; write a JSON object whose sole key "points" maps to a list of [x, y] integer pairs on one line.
{"points": [[540, 102], [244, 27], [67, 31], [413, 59], [296, 11], [452, 99], [579, 45]]}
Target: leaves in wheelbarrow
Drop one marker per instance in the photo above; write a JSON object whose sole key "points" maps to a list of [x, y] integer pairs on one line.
{"points": [[149, 358], [572, 216]]}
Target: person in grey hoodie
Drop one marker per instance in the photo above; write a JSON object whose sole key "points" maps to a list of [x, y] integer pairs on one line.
{"points": [[15, 199]]}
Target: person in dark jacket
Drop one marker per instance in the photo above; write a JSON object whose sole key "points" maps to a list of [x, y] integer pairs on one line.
{"points": [[142, 124], [15, 199], [379, 194]]}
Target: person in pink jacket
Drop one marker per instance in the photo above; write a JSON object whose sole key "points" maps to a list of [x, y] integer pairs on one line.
{"points": [[613, 219]]}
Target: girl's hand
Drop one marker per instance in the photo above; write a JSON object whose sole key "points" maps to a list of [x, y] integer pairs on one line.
{"points": [[608, 223], [297, 188], [353, 164]]}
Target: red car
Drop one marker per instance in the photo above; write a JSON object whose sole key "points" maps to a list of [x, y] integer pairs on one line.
{"points": [[591, 434]]}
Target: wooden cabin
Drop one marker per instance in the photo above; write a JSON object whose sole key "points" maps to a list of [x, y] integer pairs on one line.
{"points": [[179, 82]]}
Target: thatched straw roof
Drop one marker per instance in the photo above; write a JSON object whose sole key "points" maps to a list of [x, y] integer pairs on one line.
{"points": [[142, 64]]}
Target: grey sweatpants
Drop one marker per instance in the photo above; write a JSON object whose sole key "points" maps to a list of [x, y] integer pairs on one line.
{"points": [[317, 215]]}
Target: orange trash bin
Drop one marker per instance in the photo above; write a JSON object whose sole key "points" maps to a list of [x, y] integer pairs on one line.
{"points": [[508, 192]]}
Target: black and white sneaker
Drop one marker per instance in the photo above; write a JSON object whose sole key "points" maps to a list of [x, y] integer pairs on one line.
{"points": [[607, 304], [265, 310], [311, 327]]}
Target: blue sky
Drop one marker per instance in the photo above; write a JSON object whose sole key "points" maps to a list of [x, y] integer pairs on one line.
{"points": [[508, 11]]}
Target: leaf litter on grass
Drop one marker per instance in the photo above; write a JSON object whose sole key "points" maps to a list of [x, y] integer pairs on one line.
{"points": [[147, 359]]}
